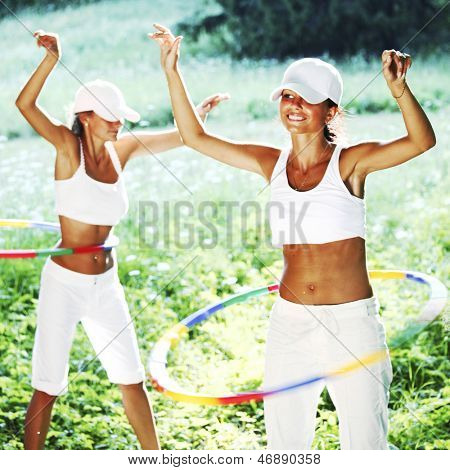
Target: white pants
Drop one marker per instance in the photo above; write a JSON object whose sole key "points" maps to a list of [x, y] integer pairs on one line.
{"points": [[307, 341], [98, 301]]}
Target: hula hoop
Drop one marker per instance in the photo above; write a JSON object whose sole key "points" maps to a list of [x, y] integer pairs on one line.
{"points": [[157, 365], [112, 242]]}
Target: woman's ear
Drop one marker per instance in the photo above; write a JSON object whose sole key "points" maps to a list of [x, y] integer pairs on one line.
{"points": [[84, 117], [331, 114]]}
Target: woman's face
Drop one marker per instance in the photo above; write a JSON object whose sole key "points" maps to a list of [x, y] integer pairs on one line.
{"points": [[101, 128], [300, 117]]}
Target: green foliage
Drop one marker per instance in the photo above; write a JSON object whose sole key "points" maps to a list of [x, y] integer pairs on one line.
{"points": [[294, 28], [37, 5]]}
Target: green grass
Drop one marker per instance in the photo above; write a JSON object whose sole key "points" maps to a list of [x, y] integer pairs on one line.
{"points": [[407, 228]]}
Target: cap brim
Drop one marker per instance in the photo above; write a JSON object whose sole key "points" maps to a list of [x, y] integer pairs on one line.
{"points": [[306, 92], [131, 115], [118, 114]]}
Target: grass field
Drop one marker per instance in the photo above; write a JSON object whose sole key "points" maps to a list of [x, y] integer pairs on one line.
{"points": [[407, 221]]}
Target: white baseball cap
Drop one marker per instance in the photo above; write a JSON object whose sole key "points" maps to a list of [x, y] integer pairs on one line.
{"points": [[313, 79], [105, 99]]}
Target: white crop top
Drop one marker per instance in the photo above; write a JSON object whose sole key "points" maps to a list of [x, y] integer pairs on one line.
{"points": [[90, 201], [326, 213]]}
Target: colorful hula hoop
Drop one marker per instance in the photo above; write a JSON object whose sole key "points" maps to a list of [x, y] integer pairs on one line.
{"points": [[50, 227], [157, 365]]}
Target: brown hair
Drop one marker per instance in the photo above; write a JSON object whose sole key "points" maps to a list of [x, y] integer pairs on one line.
{"points": [[77, 127], [333, 131]]}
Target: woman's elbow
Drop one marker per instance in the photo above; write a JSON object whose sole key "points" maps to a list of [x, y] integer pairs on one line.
{"points": [[21, 104], [429, 142], [192, 139], [433, 141]]}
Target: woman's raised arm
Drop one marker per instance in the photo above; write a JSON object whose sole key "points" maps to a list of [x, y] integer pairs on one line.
{"points": [[256, 158], [374, 156], [137, 143], [43, 124]]}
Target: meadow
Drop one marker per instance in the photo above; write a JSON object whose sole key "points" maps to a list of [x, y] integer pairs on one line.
{"points": [[169, 276]]}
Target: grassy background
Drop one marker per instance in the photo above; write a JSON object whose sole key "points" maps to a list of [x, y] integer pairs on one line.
{"points": [[406, 215]]}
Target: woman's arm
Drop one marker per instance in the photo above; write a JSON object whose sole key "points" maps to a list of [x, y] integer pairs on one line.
{"points": [[133, 144], [373, 156], [43, 124], [251, 157]]}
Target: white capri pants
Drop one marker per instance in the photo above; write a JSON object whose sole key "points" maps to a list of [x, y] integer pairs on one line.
{"points": [[306, 341], [98, 301]]}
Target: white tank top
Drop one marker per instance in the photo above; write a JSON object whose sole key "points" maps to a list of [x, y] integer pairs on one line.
{"points": [[90, 201], [326, 213]]}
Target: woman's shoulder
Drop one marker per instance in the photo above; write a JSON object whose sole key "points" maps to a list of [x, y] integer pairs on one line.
{"points": [[70, 147], [351, 154], [360, 147], [268, 158], [69, 150]]}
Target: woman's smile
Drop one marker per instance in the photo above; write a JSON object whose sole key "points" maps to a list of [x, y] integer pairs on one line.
{"points": [[294, 117]]}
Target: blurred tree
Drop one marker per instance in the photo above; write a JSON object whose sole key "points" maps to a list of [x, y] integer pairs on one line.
{"points": [[16, 5], [289, 28]]}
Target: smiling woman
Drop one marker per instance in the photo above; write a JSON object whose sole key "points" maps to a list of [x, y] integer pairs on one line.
{"points": [[90, 200], [326, 312]]}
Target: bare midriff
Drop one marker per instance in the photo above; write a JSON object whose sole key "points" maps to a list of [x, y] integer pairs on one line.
{"points": [[76, 234], [325, 274]]}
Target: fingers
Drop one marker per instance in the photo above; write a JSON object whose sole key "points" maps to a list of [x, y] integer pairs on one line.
{"points": [[212, 101], [47, 40], [163, 36], [398, 63], [39, 35], [221, 97], [404, 64], [215, 98], [386, 58], [160, 27], [401, 62], [163, 31], [175, 50]]}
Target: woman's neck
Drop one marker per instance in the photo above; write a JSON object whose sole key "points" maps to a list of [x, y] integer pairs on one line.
{"points": [[93, 147], [308, 149]]}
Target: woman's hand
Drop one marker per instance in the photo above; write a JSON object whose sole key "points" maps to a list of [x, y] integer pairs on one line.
{"points": [[395, 65], [169, 46], [210, 103], [50, 41]]}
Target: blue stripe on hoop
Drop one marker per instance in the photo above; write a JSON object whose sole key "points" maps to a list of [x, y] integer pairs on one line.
{"points": [[45, 226], [201, 315], [412, 277]]}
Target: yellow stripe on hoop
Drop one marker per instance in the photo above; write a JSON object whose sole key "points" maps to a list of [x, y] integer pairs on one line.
{"points": [[174, 335], [364, 361], [387, 275], [15, 223]]}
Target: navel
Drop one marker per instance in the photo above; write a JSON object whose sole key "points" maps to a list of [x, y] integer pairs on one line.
{"points": [[309, 289]]}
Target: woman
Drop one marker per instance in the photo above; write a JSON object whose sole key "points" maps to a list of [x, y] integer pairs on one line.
{"points": [[90, 200], [326, 314]]}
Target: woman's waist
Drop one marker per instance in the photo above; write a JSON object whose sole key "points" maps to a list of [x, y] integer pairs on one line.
{"points": [[325, 283], [325, 258], [74, 270], [98, 258], [75, 233], [93, 263]]}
